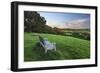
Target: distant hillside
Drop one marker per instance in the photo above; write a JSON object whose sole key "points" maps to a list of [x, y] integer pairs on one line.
{"points": [[69, 29]]}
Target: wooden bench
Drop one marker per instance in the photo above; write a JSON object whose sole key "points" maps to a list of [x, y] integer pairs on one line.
{"points": [[46, 44]]}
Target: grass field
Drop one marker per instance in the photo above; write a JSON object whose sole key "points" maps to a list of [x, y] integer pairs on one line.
{"points": [[67, 48]]}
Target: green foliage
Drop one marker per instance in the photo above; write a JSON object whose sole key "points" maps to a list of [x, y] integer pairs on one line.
{"points": [[67, 48], [33, 22], [82, 35]]}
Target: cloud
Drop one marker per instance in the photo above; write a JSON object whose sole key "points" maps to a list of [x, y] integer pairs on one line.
{"points": [[78, 24], [74, 24], [55, 24]]}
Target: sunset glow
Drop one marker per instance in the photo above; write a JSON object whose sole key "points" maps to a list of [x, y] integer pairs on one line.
{"points": [[67, 20]]}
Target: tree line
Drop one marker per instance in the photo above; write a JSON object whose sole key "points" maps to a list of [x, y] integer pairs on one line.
{"points": [[33, 22]]}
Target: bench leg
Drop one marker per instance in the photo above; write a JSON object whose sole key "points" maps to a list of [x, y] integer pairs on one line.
{"points": [[45, 50], [54, 44]]}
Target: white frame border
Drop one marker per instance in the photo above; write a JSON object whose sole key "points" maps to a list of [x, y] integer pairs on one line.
{"points": [[22, 64]]}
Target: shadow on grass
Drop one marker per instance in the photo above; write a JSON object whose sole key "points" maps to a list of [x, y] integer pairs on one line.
{"points": [[39, 52]]}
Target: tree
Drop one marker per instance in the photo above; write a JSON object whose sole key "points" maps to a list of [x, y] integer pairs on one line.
{"points": [[33, 22]]}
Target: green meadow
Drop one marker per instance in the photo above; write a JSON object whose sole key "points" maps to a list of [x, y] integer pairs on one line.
{"points": [[68, 47]]}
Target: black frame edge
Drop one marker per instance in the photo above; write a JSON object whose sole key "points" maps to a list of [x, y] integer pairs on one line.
{"points": [[55, 4], [14, 39], [96, 37], [14, 36], [56, 67]]}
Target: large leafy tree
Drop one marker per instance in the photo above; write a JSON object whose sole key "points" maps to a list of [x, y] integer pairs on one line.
{"points": [[33, 22]]}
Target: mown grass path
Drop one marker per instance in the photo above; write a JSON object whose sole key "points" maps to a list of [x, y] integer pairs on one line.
{"points": [[67, 48]]}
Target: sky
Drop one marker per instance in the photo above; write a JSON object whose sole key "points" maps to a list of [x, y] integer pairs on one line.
{"points": [[67, 20]]}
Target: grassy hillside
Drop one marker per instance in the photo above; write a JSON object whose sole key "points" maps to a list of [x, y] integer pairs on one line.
{"points": [[67, 48]]}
